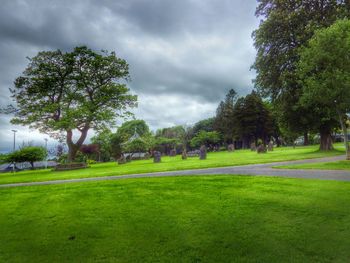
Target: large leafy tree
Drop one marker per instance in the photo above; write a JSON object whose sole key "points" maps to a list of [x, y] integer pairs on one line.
{"points": [[286, 26], [324, 69], [62, 92]]}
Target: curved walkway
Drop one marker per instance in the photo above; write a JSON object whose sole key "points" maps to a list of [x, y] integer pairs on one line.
{"points": [[253, 170]]}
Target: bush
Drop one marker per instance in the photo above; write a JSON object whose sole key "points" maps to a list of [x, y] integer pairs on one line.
{"points": [[89, 161], [29, 154]]}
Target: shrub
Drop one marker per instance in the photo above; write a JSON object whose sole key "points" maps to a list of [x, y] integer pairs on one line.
{"points": [[29, 154]]}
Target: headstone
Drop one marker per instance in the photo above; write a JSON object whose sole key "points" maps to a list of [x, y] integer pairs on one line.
{"points": [[172, 153], [122, 160], [128, 158], [253, 146], [261, 149], [231, 147], [194, 153], [203, 152], [157, 157], [270, 146], [184, 155]]}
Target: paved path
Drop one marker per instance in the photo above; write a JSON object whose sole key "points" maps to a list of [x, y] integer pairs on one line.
{"points": [[254, 170]]}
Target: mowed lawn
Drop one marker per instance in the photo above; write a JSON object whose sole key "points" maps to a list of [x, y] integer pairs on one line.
{"points": [[339, 165], [217, 159], [177, 219]]}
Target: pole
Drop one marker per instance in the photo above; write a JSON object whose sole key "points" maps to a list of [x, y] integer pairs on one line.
{"points": [[46, 153], [14, 139], [345, 131], [14, 147]]}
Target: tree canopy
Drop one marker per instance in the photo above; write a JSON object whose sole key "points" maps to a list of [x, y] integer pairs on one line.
{"points": [[128, 129], [224, 121], [324, 70], [61, 92]]}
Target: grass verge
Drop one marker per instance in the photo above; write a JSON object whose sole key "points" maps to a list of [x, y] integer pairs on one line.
{"points": [[217, 159]]}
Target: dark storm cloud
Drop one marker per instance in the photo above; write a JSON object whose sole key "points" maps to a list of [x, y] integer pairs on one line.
{"points": [[186, 52]]}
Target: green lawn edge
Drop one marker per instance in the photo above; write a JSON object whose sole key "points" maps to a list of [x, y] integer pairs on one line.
{"points": [[168, 164]]}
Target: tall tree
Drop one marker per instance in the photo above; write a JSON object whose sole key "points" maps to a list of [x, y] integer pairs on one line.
{"points": [[253, 119], [224, 121], [59, 93], [286, 26], [324, 69]]}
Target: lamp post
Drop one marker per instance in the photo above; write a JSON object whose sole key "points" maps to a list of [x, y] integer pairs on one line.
{"points": [[14, 147], [14, 139], [46, 152]]}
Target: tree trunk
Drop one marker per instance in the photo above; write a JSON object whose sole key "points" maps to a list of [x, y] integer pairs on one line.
{"points": [[74, 147], [345, 133], [306, 139], [326, 143]]}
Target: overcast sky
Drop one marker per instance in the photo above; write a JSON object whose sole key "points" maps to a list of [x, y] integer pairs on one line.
{"points": [[184, 55]]}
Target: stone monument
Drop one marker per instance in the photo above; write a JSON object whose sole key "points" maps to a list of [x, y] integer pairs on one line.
{"points": [[157, 157], [231, 147], [270, 146], [184, 155], [203, 153], [253, 146]]}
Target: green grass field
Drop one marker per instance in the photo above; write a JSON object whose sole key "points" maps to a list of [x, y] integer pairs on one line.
{"points": [[178, 219], [218, 159], [340, 165]]}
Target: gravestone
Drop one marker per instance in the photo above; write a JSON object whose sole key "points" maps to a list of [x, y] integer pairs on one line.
{"points": [[122, 160], [172, 153], [157, 157], [203, 153], [128, 158], [231, 147], [270, 146], [194, 153], [253, 146], [261, 149], [184, 155]]}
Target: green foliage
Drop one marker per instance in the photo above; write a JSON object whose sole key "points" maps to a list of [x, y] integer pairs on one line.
{"points": [[165, 145], [286, 26], [324, 68], [204, 125], [205, 138], [128, 129], [103, 140], [3, 158], [116, 145], [135, 146], [89, 161], [29, 154], [224, 122], [60, 92], [253, 119]]}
